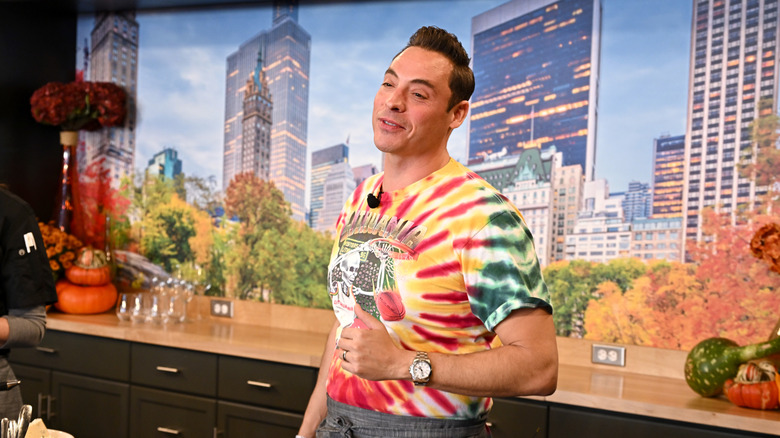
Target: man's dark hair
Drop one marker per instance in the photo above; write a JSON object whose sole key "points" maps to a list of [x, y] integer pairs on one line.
{"points": [[440, 41]]}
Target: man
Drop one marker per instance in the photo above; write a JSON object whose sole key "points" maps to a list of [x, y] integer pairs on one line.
{"points": [[462, 312], [26, 287]]}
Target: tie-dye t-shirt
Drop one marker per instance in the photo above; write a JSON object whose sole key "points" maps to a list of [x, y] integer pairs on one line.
{"points": [[440, 263]]}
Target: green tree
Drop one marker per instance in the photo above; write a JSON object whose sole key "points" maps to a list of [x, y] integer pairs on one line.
{"points": [[167, 229], [574, 284]]}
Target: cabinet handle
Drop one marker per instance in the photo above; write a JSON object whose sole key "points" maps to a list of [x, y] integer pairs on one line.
{"points": [[258, 384], [46, 350], [49, 413], [167, 430], [168, 370], [40, 412]]}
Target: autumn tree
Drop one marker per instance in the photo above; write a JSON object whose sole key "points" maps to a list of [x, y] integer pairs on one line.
{"points": [[573, 284], [101, 203], [724, 292], [263, 218]]}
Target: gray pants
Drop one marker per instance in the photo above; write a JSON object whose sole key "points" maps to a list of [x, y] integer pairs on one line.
{"points": [[345, 421]]}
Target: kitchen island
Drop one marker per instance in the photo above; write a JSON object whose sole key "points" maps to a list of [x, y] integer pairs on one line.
{"points": [[650, 389]]}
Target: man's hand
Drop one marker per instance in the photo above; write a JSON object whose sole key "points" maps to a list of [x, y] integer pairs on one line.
{"points": [[371, 352]]}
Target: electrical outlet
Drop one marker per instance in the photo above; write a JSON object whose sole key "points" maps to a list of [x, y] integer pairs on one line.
{"points": [[609, 355], [222, 308]]}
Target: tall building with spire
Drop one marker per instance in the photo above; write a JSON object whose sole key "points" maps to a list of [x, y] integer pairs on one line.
{"points": [[536, 64], [256, 124], [733, 67], [114, 58], [286, 49]]}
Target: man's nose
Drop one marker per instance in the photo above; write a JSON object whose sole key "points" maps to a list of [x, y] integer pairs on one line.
{"points": [[395, 100]]}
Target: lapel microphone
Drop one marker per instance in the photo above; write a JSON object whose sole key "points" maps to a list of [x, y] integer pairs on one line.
{"points": [[373, 201]]}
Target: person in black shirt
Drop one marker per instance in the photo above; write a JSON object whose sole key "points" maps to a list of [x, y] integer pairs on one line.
{"points": [[26, 287]]}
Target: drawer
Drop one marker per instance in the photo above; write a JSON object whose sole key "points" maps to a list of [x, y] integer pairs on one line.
{"points": [[179, 370], [268, 384], [159, 414], [89, 355]]}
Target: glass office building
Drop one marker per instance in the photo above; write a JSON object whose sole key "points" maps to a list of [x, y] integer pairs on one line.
{"points": [[536, 64], [286, 49], [668, 176], [733, 67]]}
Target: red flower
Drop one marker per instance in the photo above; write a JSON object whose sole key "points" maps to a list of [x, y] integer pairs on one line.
{"points": [[79, 105]]}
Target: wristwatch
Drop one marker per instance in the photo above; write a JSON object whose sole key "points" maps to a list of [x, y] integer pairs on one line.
{"points": [[421, 369]]}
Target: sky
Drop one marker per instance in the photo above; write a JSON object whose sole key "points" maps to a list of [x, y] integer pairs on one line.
{"points": [[645, 51]]}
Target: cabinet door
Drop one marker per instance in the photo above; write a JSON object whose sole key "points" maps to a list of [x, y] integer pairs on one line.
{"points": [[585, 423], [516, 418], [89, 408], [242, 421], [36, 387], [159, 414]]}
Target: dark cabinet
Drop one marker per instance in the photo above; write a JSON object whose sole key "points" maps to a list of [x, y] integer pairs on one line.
{"points": [[87, 407], [77, 383], [99, 387], [157, 413], [518, 418], [236, 420], [568, 421]]}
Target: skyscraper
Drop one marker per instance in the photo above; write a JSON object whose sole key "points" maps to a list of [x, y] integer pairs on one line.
{"points": [[332, 181], [536, 64], [114, 58], [733, 67], [165, 164], [286, 49], [256, 124], [668, 176], [638, 201]]}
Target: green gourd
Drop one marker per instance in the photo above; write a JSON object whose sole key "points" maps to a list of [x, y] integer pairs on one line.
{"points": [[713, 361]]}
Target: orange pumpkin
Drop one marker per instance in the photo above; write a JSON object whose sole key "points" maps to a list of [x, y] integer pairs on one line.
{"points": [[755, 386], [90, 268], [73, 298]]}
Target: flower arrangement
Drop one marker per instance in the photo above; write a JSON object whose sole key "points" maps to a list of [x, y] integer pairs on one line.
{"points": [[79, 105], [765, 245], [61, 248]]}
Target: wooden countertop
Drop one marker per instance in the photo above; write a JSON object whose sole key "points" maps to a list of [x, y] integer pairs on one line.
{"points": [[664, 395]]}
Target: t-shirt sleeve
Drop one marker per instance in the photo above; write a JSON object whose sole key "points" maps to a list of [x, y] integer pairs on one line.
{"points": [[501, 270]]}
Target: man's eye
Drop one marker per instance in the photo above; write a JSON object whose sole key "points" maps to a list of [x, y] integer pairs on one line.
{"points": [[418, 95], [387, 84]]}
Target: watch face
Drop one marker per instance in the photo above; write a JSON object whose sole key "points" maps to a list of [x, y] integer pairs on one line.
{"points": [[421, 370]]}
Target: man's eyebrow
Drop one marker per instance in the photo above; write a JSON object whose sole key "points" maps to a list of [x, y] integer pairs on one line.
{"points": [[428, 84]]}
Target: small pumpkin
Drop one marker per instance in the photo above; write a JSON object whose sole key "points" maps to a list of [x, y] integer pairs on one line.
{"points": [[90, 268], [756, 386], [74, 298]]}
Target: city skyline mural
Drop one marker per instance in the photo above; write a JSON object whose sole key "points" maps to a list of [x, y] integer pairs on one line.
{"points": [[618, 129]]}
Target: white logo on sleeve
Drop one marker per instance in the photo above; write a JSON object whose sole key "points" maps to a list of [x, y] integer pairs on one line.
{"points": [[29, 241]]}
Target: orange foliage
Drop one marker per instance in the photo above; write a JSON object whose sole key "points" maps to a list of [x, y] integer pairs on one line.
{"points": [[726, 292]]}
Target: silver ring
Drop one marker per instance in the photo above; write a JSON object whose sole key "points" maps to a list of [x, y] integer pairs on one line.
{"points": [[344, 356]]}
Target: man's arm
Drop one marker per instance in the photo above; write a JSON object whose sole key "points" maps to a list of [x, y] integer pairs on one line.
{"points": [[526, 363], [317, 408]]}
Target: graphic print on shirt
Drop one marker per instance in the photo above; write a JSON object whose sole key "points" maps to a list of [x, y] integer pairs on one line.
{"points": [[364, 271]]}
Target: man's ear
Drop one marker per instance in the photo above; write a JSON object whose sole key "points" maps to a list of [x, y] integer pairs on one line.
{"points": [[459, 113]]}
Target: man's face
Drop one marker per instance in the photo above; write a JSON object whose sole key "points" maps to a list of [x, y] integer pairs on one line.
{"points": [[410, 109]]}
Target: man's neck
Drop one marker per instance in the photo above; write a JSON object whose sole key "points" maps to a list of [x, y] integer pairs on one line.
{"points": [[401, 172]]}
